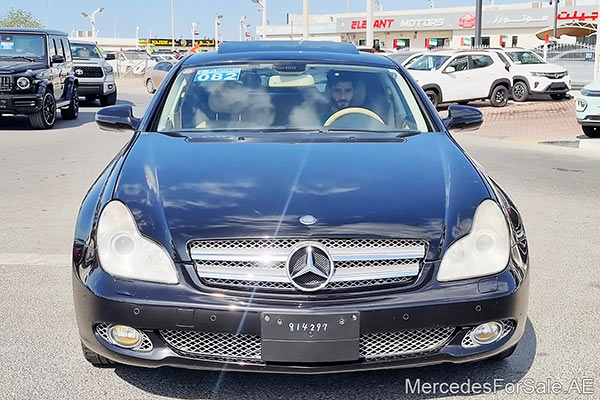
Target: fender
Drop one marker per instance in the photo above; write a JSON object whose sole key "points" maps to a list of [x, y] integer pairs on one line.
{"points": [[435, 87], [43, 86], [70, 81], [501, 81], [521, 78]]}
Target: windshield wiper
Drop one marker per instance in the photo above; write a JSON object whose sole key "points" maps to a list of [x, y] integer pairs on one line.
{"points": [[23, 57]]}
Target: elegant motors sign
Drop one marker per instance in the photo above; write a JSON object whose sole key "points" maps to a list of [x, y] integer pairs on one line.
{"points": [[440, 21]]}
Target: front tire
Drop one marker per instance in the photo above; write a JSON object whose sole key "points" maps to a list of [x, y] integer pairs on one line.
{"points": [[46, 116], [95, 359], [109, 100], [591, 131], [520, 92], [150, 86], [499, 96], [71, 112], [433, 97]]}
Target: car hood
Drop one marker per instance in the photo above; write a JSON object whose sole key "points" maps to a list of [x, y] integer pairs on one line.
{"points": [[423, 187], [595, 86], [18, 66], [423, 77], [526, 68], [88, 61]]}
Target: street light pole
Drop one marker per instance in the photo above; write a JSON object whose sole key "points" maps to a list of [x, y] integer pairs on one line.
{"points": [[137, 37], [478, 22], [194, 25], [305, 7], [369, 23], [263, 6], [242, 26], [172, 25], [555, 31], [597, 55], [217, 23], [92, 18]]}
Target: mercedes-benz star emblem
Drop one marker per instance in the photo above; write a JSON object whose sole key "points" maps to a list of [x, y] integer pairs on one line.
{"points": [[309, 266], [308, 220]]}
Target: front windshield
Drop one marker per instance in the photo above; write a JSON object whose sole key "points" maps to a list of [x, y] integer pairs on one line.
{"points": [[85, 50], [525, 57], [291, 97], [428, 63], [22, 45]]}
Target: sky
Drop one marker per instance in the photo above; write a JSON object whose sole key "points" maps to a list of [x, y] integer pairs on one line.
{"points": [[153, 17]]}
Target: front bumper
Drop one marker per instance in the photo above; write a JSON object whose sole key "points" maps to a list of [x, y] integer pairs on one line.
{"points": [[550, 86], [20, 103], [97, 86], [155, 308], [591, 115]]}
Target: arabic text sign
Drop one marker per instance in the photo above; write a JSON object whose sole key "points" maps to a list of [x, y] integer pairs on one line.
{"points": [[515, 18]]}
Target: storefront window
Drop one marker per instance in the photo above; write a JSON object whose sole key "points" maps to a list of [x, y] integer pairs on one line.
{"points": [[433, 43], [402, 44]]}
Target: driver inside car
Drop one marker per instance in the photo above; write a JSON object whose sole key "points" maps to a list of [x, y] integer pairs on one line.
{"points": [[340, 87]]}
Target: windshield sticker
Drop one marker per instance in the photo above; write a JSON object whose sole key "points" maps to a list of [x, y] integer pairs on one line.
{"points": [[217, 75], [7, 45]]}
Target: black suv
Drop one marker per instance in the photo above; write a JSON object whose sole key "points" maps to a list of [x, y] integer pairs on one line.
{"points": [[36, 75]]}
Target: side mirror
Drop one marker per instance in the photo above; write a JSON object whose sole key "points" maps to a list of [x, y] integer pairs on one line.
{"points": [[463, 118], [117, 118], [450, 70], [57, 59], [110, 56]]}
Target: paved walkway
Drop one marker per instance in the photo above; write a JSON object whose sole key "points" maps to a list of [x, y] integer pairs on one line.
{"points": [[543, 120]]}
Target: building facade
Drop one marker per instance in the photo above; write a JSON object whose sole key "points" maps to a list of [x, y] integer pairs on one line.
{"points": [[522, 25]]}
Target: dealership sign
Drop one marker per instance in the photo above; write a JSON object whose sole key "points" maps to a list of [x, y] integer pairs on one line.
{"points": [[515, 18], [179, 42]]}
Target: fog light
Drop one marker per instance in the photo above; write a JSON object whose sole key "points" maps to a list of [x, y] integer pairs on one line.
{"points": [[487, 333], [124, 336]]}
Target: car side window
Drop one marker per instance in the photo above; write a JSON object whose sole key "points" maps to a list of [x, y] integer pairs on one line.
{"points": [[161, 66], [52, 47], [481, 61], [59, 49], [66, 49], [460, 63]]}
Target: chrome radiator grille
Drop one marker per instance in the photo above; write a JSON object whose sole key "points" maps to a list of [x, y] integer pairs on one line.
{"points": [[260, 264], [215, 346]]}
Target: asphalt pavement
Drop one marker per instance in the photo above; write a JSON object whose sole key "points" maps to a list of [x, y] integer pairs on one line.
{"points": [[44, 175]]}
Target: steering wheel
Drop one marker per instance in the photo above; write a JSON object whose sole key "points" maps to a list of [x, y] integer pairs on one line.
{"points": [[352, 110]]}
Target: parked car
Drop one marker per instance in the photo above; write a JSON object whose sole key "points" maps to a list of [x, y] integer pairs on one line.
{"points": [[406, 58], [579, 62], [532, 75], [463, 76], [154, 75], [588, 109], [95, 75], [270, 214], [131, 61], [36, 76]]}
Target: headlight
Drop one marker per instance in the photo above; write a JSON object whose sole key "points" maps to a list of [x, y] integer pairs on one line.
{"points": [[580, 105], [484, 251], [108, 69], [535, 73], [23, 83], [125, 253]]}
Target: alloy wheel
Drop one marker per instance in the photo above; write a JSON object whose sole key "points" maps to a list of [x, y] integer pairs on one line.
{"points": [[49, 107]]}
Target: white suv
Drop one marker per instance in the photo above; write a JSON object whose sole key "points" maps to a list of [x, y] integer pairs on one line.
{"points": [[463, 76], [533, 75]]}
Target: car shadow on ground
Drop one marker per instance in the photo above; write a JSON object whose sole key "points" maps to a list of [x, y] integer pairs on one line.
{"points": [[384, 384], [86, 115]]}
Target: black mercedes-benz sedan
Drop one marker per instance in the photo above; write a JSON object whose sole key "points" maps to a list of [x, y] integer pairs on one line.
{"points": [[296, 207]]}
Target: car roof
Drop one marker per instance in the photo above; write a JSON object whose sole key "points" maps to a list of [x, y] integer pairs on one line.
{"points": [[307, 51], [29, 30]]}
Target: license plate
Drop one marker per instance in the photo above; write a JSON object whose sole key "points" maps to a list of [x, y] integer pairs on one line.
{"points": [[310, 338]]}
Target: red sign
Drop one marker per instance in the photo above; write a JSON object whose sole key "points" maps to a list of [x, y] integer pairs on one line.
{"points": [[378, 23], [565, 15], [467, 21]]}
